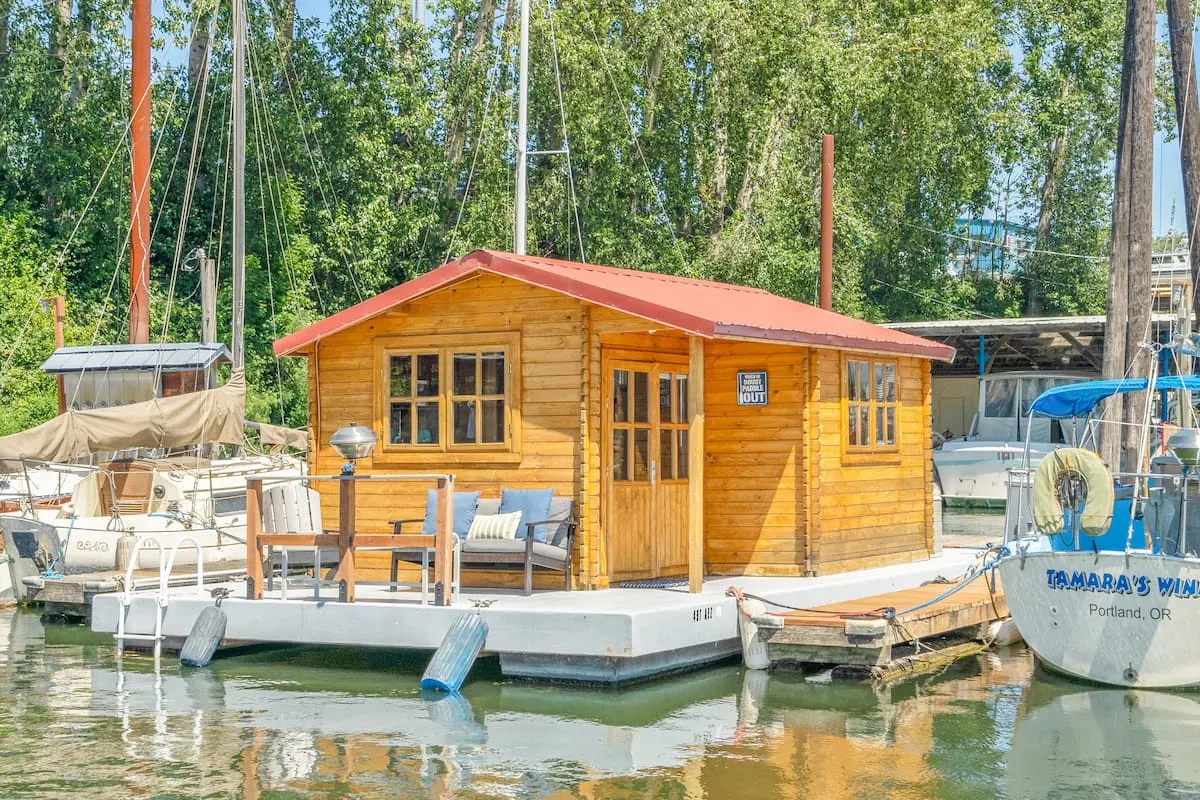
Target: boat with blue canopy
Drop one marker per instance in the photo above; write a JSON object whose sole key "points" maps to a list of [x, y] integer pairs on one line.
{"points": [[1100, 567]]}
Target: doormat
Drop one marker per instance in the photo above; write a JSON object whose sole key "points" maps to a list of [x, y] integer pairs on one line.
{"points": [[653, 583]]}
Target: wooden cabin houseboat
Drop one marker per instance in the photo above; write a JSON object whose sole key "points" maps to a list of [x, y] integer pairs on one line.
{"points": [[699, 427]]}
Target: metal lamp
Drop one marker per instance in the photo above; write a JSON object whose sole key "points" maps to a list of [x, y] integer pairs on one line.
{"points": [[353, 442]]}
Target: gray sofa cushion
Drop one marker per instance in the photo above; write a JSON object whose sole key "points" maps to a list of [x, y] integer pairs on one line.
{"points": [[560, 509], [494, 546]]}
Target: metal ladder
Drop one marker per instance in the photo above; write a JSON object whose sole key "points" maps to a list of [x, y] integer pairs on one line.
{"points": [[166, 564]]}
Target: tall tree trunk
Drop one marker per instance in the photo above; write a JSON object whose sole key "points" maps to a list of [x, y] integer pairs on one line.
{"points": [[5, 14], [197, 49], [1117, 312], [1187, 111], [60, 29], [718, 185], [1056, 161], [760, 163], [652, 76], [480, 45], [1141, 186], [84, 22]]}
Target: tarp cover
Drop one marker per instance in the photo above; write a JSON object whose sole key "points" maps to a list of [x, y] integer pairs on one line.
{"points": [[206, 417], [1078, 399], [279, 436]]}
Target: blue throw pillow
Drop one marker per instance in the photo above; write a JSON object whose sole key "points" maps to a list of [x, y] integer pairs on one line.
{"points": [[534, 505], [464, 512]]}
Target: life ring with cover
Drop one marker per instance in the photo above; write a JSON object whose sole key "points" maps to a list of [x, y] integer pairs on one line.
{"points": [[1098, 487]]}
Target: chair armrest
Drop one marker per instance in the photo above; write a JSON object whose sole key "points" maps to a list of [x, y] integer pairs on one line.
{"points": [[397, 524], [570, 523]]}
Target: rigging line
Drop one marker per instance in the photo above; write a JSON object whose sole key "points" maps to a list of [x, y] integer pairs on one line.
{"points": [[487, 106], [62, 254], [931, 299], [186, 209], [341, 246], [258, 140], [273, 152], [998, 245], [562, 112], [666, 219]]}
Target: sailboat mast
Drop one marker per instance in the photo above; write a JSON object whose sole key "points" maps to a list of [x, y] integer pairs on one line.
{"points": [[522, 131], [239, 180], [139, 201]]}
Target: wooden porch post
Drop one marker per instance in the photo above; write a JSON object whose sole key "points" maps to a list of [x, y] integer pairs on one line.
{"points": [[254, 554], [695, 463], [443, 567], [345, 570]]}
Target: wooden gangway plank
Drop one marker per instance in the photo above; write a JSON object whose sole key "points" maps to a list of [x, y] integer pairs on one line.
{"points": [[865, 631]]}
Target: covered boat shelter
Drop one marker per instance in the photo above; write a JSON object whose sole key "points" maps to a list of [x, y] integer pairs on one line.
{"points": [[697, 427]]}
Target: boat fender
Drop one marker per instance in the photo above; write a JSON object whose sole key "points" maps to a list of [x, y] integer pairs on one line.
{"points": [[754, 647], [206, 634], [457, 653], [1098, 487]]}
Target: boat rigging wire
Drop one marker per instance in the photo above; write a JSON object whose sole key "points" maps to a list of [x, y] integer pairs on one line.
{"points": [[562, 111]]}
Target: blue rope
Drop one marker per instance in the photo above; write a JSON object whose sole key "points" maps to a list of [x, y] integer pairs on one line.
{"points": [[49, 572]]}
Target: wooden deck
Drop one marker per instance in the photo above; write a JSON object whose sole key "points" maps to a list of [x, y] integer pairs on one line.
{"points": [[72, 595], [860, 634]]}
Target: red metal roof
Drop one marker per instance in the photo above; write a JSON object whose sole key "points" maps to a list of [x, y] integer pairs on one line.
{"points": [[704, 308]]}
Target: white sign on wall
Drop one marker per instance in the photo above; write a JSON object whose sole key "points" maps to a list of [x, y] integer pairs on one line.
{"points": [[752, 388]]}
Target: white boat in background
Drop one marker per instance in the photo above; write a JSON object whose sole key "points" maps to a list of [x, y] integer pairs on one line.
{"points": [[973, 470]]}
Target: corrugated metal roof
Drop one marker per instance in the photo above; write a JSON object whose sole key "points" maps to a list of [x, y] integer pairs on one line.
{"points": [[115, 357], [703, 308]]}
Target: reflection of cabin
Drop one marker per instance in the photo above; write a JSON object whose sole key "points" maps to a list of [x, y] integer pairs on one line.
{"points": [[115, 375], [620, 388]]}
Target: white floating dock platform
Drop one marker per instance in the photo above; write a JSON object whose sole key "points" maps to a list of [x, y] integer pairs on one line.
{"points": [[614, 636]]}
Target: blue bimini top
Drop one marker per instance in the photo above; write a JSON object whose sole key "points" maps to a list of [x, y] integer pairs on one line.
{"points": [[1079, 399]]}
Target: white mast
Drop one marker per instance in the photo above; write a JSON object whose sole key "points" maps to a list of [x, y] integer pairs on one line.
{"points": [[239, 180], [522, 131]]}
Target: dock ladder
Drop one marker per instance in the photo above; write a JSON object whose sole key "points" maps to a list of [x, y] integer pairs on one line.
{"points": [[166, 565]]}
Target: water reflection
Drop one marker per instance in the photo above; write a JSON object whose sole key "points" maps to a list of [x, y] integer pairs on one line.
{"points": [[340, 723]]}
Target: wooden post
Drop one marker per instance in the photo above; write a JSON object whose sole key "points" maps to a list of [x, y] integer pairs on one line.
{"points": [[1180, 25], [443, 568], [345, 570], [695, 463], [254, 554]]}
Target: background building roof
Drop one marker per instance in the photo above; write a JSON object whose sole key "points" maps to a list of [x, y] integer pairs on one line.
{"points": [[115, 357]]}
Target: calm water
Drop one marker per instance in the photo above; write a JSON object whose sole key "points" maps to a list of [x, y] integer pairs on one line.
{"points": [[340, 723]]}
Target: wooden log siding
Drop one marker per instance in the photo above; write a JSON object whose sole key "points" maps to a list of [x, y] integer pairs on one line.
{"points": [[781, 496], [552, 337], [875, 509]]}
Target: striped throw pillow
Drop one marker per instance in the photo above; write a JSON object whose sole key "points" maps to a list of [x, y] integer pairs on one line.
{"points": [[495, 526]]}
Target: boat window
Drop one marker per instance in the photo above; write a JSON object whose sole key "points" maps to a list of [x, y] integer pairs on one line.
{"points": [[999, 398], [449, 398], [871, 396], [229, 503]]}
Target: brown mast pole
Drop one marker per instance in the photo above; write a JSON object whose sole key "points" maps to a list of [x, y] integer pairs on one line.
{"points": [[139, 217], [827, 222]]}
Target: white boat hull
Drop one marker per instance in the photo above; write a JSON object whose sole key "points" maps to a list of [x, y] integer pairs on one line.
{"points": [[974, 473], [1121, 619], [89, 546]]}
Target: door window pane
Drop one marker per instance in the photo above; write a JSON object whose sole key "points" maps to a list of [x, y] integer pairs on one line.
{"points": [[620, 455], [427, 423], [880, 428], [682, 472], [427, 375], [464, 373], [641, 397], [852, 426], [878, 387], [664, 399], [464, 422], [641, 454], [864, 425], [620, 395], [400, 424], [400, 377], [492, 422], [666, 454], [890, 384], [864, 380], [890, 438], [681, 389], [493, 373]]}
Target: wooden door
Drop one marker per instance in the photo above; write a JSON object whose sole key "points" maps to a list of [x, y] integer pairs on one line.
{"points": [[645, 474]]}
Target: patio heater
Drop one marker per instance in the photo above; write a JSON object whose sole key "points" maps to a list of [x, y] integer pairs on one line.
{"points": [[353, 442]]}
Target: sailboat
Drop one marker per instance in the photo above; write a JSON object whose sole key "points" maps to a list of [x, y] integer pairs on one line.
{"points": [[160, 485], [1108, 590]]}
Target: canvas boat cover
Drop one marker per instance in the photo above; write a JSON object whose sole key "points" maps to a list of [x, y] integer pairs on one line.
{"points": [[274, 436], [1079, 399], [206, 417]]}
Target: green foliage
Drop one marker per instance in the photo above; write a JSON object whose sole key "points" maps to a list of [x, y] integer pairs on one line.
{"points": [[379, 148]]}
